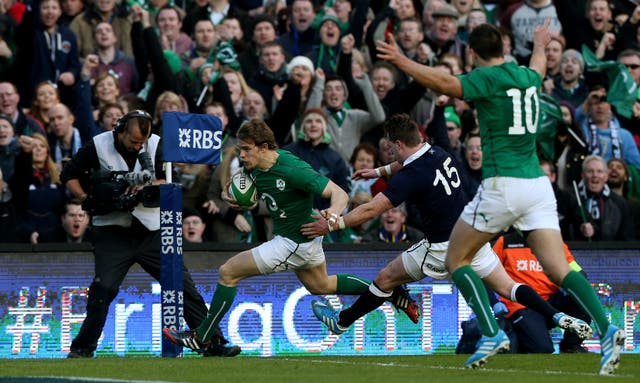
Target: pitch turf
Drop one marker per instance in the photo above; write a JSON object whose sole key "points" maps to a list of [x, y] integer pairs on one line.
{"points": [[433, 369]]}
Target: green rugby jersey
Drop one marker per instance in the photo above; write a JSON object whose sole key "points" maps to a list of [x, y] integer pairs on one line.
{"points": [[288, 189], [506, 98]]}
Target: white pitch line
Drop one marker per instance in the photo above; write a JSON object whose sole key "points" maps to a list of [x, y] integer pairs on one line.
{"points": [[392, 364]]}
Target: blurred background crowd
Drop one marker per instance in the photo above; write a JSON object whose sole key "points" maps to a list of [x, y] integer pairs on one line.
{"points": [[70, 68]]}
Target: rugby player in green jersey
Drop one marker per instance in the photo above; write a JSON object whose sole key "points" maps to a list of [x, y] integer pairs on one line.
{"points": [[514, 190], [288, 185]]}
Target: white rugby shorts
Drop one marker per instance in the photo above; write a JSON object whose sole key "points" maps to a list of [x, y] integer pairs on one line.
{"points": [[500, 202], [281, 254], [425, 259]]}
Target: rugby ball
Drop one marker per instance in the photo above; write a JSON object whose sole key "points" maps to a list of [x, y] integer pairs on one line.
{"points": [[242, 189]]}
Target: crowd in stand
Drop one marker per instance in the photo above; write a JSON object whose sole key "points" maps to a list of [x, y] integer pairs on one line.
{"points": [[70, 68]]}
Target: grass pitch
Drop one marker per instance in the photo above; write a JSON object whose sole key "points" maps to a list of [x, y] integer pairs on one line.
{"points": [[433, 369]]}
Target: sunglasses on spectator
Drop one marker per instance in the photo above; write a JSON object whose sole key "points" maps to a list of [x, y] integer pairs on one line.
{"points": [[632, 66]]}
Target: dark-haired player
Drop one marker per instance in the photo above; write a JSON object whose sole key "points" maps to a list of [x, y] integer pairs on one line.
{"points": [[514, 190], [426, 176]]}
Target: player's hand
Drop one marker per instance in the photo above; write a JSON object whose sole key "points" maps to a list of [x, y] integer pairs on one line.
{"points": [[541, 35], [390, 51], [364, 174], [227, 198], [317, 228]]}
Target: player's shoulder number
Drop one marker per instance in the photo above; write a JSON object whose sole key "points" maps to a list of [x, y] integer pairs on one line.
{"points": [[525, 106]]}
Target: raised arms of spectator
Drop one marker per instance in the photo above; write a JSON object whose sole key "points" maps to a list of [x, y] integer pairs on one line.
{"points": [[83, 110], [358, 19]]}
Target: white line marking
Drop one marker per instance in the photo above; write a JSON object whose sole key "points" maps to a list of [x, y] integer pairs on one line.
{"points": [[395, 365]]}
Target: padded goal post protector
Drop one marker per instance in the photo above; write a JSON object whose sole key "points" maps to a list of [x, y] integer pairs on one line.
{"points": [[171, 263]]}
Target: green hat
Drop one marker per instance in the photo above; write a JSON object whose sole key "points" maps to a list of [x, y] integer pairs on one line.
{"points": [[173, 60], [451, 116]]}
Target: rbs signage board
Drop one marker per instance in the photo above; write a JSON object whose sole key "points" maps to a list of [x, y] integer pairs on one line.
{"points": [[191, 138]]}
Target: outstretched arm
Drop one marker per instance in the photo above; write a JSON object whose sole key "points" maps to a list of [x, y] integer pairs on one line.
{"points": [[541, 37], [361, 214], [429, 77]]}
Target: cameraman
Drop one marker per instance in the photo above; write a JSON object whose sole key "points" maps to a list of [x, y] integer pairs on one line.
{"points": [[124, 235]]}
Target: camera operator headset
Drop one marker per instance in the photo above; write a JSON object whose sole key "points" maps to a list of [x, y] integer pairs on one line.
{"points": [[105, 173]]}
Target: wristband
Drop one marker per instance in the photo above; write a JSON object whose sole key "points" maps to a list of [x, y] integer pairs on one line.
{"points": [[387, 169], [341, 223], [377, 170]]}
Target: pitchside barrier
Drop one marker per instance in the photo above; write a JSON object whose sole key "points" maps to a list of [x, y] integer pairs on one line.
{"points": [[43, 291]]}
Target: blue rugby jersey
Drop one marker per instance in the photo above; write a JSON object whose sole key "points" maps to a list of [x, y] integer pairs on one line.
{"points": [[431, 181]]}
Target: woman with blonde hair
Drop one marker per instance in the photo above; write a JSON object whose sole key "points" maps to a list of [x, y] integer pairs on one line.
{"points": [[167, 102], [38, 195]]}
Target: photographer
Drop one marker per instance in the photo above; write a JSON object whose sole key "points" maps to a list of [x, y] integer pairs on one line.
{"points": [[115, 175]]}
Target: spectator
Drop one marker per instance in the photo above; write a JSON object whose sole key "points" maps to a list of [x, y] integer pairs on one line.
{"points": [[571, 148], [108, 115], [64, 139], [205, 37], [114, 59], [393, 228], [618, 176], [365, 156], [325, 54], [299, 40], [9, 100], [347, 126], [301, 71], [314, 148], [263, 30], [193, 227], [48, 52], [570, 85], [38, 195], [272, 72], [605, 136], [44, 97], [9, 150], [427, 14], [530, 328], [386, 23], [75, 223], [169, 22], [70, 9], [631, 59], [442, 37], [591, 25], [563, 198], [607, 216], [167, 102], [106, 90], [620, 182], [472, 164], [528, 15], [454, 132], [464, 9], [554, 51], [84, 24]]}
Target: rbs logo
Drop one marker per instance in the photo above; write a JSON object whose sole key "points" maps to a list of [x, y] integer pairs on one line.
{"points": [[199, 139]]}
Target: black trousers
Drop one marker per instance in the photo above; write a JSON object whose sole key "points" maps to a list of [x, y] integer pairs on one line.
{"points": [[532, 329], [116, 249]]}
